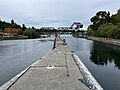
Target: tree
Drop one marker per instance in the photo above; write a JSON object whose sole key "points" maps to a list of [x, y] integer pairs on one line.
{"points": [[90, 32], [15, 26], [13, 31], [105, 26], [101, 17], [12, 22], [31, 33], [4, 25], [23, 27], [33, 28], [116, 18]]}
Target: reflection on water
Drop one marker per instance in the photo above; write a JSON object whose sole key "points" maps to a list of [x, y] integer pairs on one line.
{"points": [[104, 54], [16, 55], [101, 59]]}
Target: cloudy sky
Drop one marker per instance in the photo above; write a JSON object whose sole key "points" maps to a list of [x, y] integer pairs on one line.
{"points": [[55, 13]]}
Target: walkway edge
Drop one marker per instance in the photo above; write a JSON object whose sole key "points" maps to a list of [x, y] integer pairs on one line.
{"points": [[8, 84], [89, 79]]}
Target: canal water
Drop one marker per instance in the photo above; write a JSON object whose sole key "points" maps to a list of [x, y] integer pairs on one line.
{"points": [[16, 55], [102, 60]]}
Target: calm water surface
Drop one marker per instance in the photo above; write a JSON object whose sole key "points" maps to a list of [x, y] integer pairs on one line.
{"points": [[16, 55], [102, 60]]}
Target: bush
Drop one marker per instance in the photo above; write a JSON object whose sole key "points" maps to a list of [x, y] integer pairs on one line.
{"points": [[13, 31], [31, 33], [90, 32]]}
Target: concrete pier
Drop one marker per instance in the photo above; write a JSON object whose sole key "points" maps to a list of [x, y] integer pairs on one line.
{"points": [[55, 71]]}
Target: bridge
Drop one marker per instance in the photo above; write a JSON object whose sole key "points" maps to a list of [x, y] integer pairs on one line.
{"points": [[74, 29]]}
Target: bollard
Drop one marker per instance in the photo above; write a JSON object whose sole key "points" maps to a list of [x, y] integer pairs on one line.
{"points": [[64, 42]]}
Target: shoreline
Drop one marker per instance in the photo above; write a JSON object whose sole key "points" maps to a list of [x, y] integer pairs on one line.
{"points": [[12, 37], [110, 41]]}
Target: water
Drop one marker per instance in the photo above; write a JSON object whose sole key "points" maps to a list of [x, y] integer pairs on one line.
{"points": [[16, 55], [101, 59]]}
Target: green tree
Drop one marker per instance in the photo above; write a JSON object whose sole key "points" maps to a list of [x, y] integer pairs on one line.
{"points": [[33, 28], [23, 27], [4, 25], [116, 18], [31, 33], [105, 26], [90, 31], [15, 26], [12, 22], [101, 17]]}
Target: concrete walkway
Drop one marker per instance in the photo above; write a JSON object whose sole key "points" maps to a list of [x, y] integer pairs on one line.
{"points": [[55, 71]]}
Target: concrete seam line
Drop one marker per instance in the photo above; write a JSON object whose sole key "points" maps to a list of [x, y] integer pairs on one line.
{"points": [[46, 66], [90, 80], [68, 74], [42, 58]]}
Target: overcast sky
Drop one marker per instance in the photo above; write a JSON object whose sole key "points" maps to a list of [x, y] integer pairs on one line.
{"points": [[55, 13]]}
